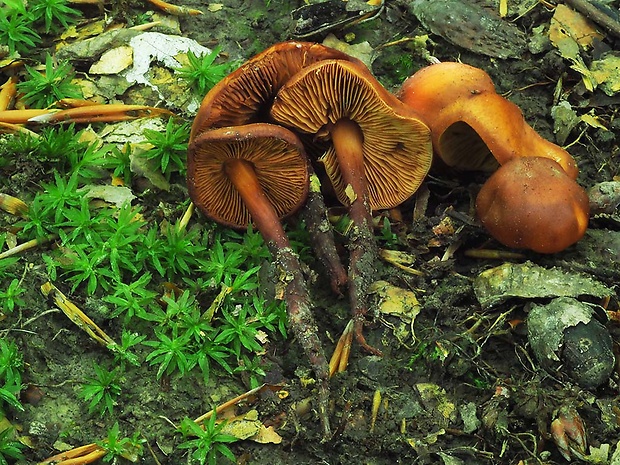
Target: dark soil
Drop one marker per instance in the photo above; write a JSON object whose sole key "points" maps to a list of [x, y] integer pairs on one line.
{"points": [[467, 389]]}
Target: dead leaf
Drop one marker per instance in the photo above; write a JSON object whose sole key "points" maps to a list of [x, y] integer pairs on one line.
{"points": [[267, 435], [570, 33], [214, 7], [395, 300], [606, 72], [569, 28], [593, 121], [362, 51], [564, 120], [113, 61], [350, 193], [248, 426], [111, 194]]}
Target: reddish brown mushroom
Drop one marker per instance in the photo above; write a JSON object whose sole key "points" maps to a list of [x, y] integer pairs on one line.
{"points": [[531, 203], [472, 127], [259, 172], [377, 155]]}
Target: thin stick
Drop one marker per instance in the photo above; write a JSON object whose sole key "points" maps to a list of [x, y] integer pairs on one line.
{"points": [[232, 402], [21, 116], [186, 217], [174, 9], [77, 316], [98, 113], [27, 245], [13, 128], [81, 453]]}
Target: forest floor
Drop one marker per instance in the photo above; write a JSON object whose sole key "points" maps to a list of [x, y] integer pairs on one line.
{"points": [[458, 381]]}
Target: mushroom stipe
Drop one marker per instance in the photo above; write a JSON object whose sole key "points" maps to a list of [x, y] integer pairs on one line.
{"points": [[259, 172]]}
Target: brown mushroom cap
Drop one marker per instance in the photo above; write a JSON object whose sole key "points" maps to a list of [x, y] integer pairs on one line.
{"points": [[245, 95], [470, 123], [396, 143], [531, 203], [277, 156]]}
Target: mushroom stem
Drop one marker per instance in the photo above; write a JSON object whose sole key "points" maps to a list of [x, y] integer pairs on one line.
{"points": [[243, 176], [301, 321], [295, 293], [348, 140]]}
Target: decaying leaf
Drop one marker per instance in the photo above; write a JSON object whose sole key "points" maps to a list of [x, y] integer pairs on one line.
{"points": [[606, 72], [423, 443], [350, 193], [593, 121], [267, 435], [143, 166], [113, 61], [435, 399], [395, 301], [470, 26], [564, 120], [398, 302], [248, 426], [529, 281], [116, 195], [244, 426], [363, 51], [570, 32]]}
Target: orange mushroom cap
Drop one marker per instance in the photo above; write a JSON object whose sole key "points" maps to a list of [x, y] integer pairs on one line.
{"points": [[473, 127], [396, 144], [276, 155], [245, 95], [531, 203]]}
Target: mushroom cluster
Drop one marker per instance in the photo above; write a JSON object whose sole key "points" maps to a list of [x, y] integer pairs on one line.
{"points": [[247, 164], [376, 153], [532, 201]]}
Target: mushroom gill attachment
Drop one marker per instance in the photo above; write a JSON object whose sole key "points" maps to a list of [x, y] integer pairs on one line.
{"points": [[275, 155], [378, 152], [473, 127], [531, 203], [259, 173], [392, 141]]}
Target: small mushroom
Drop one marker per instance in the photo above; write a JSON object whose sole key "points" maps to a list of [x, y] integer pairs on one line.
{"points": [[378, 152], [531, 203], [472, 127], [236, 175], [259, 172]]}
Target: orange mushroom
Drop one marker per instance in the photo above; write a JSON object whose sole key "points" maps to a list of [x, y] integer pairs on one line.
{"points": [[259, 172], [531, 203], [378, 152], [472, 127]]}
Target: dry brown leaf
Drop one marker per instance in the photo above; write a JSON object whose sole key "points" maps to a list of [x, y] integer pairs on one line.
{"points": [[569, 29]]}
